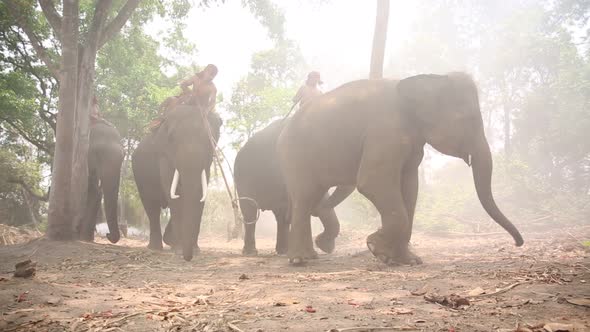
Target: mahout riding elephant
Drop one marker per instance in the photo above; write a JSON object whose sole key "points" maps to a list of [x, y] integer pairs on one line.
{"points": [[171, 166], [105, 156], [371, 133], [260, 186]]}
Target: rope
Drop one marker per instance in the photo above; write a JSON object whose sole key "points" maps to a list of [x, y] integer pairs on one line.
{"points": [[244, 198], [216, 155]]}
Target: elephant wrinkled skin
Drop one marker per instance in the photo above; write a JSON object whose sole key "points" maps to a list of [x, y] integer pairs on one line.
{"points": [[179, 151], [260, 185], [371, 133]]}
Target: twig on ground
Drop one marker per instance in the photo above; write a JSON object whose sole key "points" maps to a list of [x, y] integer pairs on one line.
{"points": [[499, 291], [23, 325], [126, 317], [233, 327]]}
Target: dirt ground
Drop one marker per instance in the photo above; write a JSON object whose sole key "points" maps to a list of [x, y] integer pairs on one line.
{"points": [[126, 287]]}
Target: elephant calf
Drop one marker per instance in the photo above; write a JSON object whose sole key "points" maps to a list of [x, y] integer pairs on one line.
{"points": [[260, 186]]}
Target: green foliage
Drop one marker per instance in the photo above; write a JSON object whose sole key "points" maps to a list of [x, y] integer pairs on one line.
{"points": [[266, 92], [15, 175]]}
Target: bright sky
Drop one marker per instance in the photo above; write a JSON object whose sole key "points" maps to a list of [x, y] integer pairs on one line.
{"points": [[335, 38]]}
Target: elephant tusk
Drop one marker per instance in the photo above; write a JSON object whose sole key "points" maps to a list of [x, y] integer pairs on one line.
{"points": [[204, 185], [174, 185]]}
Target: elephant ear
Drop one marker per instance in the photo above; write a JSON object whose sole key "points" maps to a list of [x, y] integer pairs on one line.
{"points": [[422, 97]]}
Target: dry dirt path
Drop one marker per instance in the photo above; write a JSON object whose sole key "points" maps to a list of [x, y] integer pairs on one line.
{"points": [[125, 287]]}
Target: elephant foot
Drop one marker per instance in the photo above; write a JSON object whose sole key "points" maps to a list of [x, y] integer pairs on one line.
{"points": [[391, 253], [249, 252], [167, 238], [155, 246], [299, 258], [325, 243], [179, 252], [280, 250], [113, 237]]}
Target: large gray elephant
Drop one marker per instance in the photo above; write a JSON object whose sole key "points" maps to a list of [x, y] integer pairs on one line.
{"points": [[105, 156], [171, 168], [260, 185], [371, 133]]}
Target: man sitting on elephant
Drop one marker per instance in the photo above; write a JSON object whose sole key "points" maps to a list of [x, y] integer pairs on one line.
{"points": [[309, 90], [95, 115], [203, 95], [204, 92]]}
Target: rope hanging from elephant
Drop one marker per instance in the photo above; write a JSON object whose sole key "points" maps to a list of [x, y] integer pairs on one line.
{"points": [[235, 202]]}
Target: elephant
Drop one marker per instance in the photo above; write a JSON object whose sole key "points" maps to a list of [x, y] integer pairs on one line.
{"points": [[260, 185], [371, 133], [105, 157], [171, 167]]}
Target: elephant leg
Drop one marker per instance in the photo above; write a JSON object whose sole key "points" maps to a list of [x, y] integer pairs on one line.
{"points": [[92, 205], [169, 233], [153, 213], [380, 180], [197, 227], [326, 240], [109, 179], [173, 228], [300, 237], [410, 194], [249, 211], [282, 244]]}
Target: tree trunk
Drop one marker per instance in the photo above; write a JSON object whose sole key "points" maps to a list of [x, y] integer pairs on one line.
{"points": [[379, 39], [60, 208], [80, 160], [86, 70]]}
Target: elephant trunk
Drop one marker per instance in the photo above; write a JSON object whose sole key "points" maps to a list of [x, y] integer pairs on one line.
{"points": [[193, 186], [481, 162]]}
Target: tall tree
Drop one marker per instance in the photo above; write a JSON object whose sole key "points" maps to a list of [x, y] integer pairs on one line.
{"points": [[379, 39], [75, 74]]}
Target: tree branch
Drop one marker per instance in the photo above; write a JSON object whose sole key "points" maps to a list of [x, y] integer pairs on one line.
{"points": [[52, 16], [42, 54], [101, 11], [44, 197], [118, 22], [41, 145]]}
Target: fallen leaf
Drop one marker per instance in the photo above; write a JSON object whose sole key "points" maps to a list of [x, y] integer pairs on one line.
{"points": [[310, 309], [558, 327], [22, 297], [476, 291], [579, 301]]}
